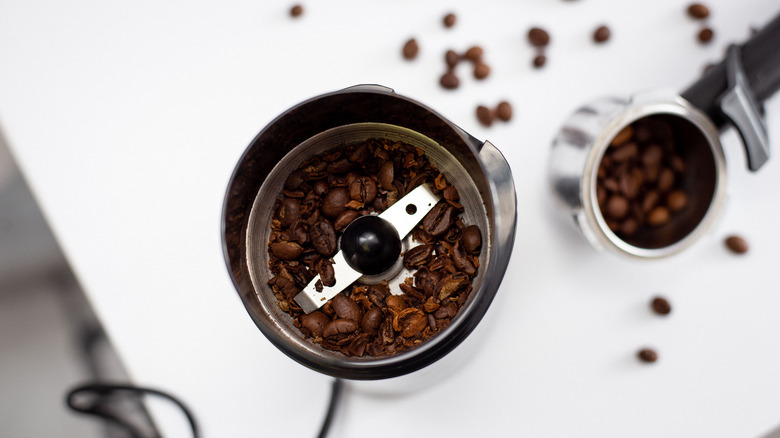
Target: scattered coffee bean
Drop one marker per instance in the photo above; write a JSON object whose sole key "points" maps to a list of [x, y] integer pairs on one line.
{"points": [[481, 71], [504, 111], [601, 34], [538, 37], [661, 306], [474, 54], [484, 115], [737, 244], [320, 199], [451, 58], [449, 20], [705, 35], [296, 11], [539, 61], [647, 355], [449, 81], [410, 49], [698, 11]]}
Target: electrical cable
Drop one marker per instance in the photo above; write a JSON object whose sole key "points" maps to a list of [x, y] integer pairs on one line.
{"points": [[101, 391]]}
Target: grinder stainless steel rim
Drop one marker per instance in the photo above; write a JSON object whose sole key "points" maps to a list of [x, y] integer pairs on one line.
{"points": [[477, 169], [729, 94]]}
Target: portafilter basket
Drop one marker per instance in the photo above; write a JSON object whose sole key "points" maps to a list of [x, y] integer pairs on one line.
{"points": [[477, 169], [729, 94]]}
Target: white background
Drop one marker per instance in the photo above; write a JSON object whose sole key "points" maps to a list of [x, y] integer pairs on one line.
{"points": [[128, 117]]}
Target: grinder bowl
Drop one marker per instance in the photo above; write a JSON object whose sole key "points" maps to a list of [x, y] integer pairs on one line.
{"points": [[356, 114]]}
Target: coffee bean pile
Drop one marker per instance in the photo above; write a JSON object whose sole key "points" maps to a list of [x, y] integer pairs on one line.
{"points": [[638, 178], [700, 12], [486, 116], [540, 39], [474, 54], [320, 199]]}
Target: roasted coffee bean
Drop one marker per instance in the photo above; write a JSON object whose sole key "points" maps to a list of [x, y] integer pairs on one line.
{"points": [[335, 202], [461, 260], [294, 180], [665, 179], [296, 11], [411, 48], [504, 111], [346, 308], [436, 222], [446, 311], [737, 244], [677, 200], [338, 327], [284, 286], [410, 322], [342, 165], [698, 11], [372, 319], [601, 34], [474, 54], [647, 355], [484, 115], [623, 136], [451, 284], [451, 58], [449, 20], [395, 303], [617, 207], [481, 70], [289, 211], [651, 157], [705, 35], [625, 152], [323, 238], [363, 189], [630, 183], [345, 219], [629, 227], [539, 61], [538, 37], [386, 175], [449, 80], [472, 239], [299, 230], [658, 216], [649, 201], [314, 322], [661, 306], [326, 272], [286, 250], [418, 256]]}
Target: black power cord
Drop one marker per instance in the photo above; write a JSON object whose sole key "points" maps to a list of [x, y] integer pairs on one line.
{"points": [[93, 399]]}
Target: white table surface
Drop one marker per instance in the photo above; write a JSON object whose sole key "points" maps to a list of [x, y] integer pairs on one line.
{"points": [[128, 117]]}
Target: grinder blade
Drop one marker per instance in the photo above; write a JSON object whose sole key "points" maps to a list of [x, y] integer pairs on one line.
{"points": [[404, 215]]}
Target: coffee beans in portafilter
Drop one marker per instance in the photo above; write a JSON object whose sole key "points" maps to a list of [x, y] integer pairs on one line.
{"points": [[486, 116], [327, 192], [639, 178]]}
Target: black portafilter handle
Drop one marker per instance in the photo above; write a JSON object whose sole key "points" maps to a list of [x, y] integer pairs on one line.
{"points": [[733, 91], [760, 57]]}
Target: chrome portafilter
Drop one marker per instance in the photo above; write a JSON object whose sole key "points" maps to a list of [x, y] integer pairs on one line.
{"points": [[645, 177], [371, 246]]}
